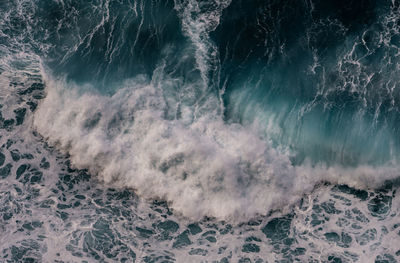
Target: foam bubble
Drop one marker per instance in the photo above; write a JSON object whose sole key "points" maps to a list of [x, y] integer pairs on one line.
{"points": [[204, 168]]}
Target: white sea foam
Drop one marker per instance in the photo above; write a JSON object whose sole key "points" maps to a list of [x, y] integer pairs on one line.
{"points": [[205, 168], [198, 20], [199, 163]]}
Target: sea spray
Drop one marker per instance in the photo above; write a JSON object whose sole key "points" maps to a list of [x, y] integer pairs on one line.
{"points": [[193, 131]]}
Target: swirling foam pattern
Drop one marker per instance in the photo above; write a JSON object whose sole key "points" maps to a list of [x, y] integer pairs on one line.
{"points": [[199, 131]]}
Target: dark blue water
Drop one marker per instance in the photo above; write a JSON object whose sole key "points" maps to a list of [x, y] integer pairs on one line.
{"points": [[199, 131]]}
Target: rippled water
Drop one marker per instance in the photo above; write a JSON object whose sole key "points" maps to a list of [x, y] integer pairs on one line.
{"points": [[199, 131]]}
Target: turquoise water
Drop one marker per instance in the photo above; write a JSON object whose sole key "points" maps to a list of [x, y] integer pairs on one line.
{"points": [[199, 131]]}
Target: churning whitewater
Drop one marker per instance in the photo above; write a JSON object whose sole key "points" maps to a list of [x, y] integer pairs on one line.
{"points": [[203, 166], [199, 131], [165, 135]]}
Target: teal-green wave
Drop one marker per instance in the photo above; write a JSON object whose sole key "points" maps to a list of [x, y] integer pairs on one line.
{"points": [[323, 74]]}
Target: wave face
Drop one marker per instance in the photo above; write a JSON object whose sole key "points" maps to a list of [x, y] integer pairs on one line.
{"points": [[228, 110], [323, 73], [219, 104], [172, 113]]}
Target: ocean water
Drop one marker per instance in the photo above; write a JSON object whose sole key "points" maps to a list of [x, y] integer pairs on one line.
{"points": [[199, 131]]}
